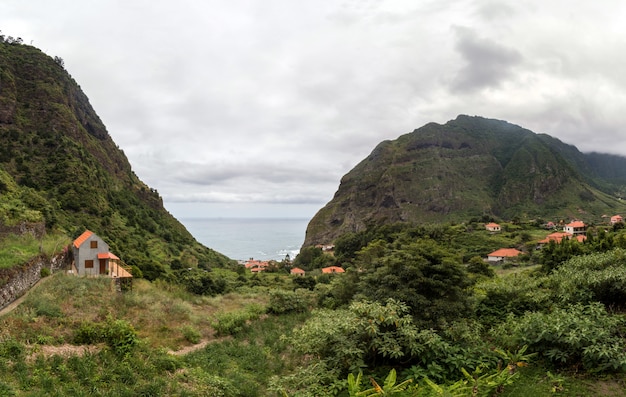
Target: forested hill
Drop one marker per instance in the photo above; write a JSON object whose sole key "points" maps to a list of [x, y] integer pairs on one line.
{"points": [[472, 167], [58, 164]]}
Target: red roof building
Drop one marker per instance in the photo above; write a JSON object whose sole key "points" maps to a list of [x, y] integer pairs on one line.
{"points": [[333, 269], [575, 227], [296, 271], [503, 254], [493, 227]]}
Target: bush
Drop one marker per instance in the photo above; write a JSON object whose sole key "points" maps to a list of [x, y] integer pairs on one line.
{"points": [[119, 335], [89, 333], [12, 349], [44, 272], [595, 277], [191, 334], [282, 301], [501, 296], [231, 323], [579, 334], [370, 334]]}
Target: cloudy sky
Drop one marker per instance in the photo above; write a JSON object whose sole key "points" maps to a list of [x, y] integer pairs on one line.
{"points": [[259, 107]]}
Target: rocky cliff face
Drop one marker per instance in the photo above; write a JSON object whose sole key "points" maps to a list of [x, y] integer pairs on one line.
{"points": [[470, 166]]}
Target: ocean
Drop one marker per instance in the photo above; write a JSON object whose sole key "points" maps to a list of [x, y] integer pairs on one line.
{"points": [[245, 238]]}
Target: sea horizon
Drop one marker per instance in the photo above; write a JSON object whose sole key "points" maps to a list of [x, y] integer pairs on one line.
{"points": [[242, 238]]}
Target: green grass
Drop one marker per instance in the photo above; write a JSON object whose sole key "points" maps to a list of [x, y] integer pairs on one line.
{"points": [[538, 382], [17, 250]]}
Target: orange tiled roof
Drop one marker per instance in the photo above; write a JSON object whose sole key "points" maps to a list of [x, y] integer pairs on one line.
{"points": [[556, 237], [107, 255], [492, 225], [82, 238], [506, 252], [297, 270], [333, 269], [576, 224]]}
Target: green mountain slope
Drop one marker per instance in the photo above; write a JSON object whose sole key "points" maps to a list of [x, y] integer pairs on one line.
{"points": [[58, 160], [468, 167]]}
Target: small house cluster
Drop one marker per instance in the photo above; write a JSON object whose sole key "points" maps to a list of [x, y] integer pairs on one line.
{"points": [[573, 230], [256, 265]]}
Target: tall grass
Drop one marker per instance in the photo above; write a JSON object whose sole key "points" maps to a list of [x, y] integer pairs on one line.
{"points": [[16, 250]]}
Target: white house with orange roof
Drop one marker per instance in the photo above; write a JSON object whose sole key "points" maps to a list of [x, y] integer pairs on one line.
{"points": [[503, 254], [92, 258], [575, 227], [296, 271], [493, 227], [616, 219]]}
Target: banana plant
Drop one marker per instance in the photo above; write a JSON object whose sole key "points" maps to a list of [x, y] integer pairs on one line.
{"points": [[516, 359], [389, 387]]}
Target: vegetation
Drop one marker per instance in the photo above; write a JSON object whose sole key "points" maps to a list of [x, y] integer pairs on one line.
{"points": [[429, 327]]}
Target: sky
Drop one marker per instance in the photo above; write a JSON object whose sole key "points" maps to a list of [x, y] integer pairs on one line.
{"points": [[258, 108]]}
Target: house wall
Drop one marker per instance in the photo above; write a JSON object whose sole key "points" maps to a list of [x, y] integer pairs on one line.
{"points": [[84, 253], [495, 258]]}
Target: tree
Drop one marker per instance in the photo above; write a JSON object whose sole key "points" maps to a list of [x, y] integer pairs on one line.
{"points": [[477, 265], [59, 61], [423, 275]]}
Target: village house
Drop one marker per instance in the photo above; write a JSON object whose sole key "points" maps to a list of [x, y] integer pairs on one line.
{"points": [[93, 258], [558, 237], [616, 219], [503, 254], [256, 265], [493, 227], [575, 227], [333, 269], [296, 271]]}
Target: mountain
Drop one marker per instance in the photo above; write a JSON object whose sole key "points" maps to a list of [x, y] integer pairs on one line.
{"points": [[59, 165], [471, 167]]}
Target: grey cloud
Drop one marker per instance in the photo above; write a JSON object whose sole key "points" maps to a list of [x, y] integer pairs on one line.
{"points": [[274, 102], [486, 63]]}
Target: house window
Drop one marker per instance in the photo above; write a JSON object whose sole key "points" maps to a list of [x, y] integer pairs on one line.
{"points": [[94, 244], [89, 264]]}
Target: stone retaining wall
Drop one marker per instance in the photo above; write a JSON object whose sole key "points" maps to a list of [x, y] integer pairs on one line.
{"points": [[16, 281]]}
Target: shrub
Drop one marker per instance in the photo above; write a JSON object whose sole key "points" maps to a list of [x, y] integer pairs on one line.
{"points": [[501, 296], [579, 334], [89, 333], [44, 306], [191, 334], [120, 336], [11, 349], [231, 323], [595, 277], [369, 333], [282, 301], [44, 272]]}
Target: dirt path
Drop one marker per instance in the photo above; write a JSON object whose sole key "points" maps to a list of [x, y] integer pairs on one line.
{"points": [[197, 346], [11, 306]]}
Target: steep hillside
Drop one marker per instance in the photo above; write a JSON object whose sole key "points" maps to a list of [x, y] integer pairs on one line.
{"points": [[58, 164], [468, 167]]}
